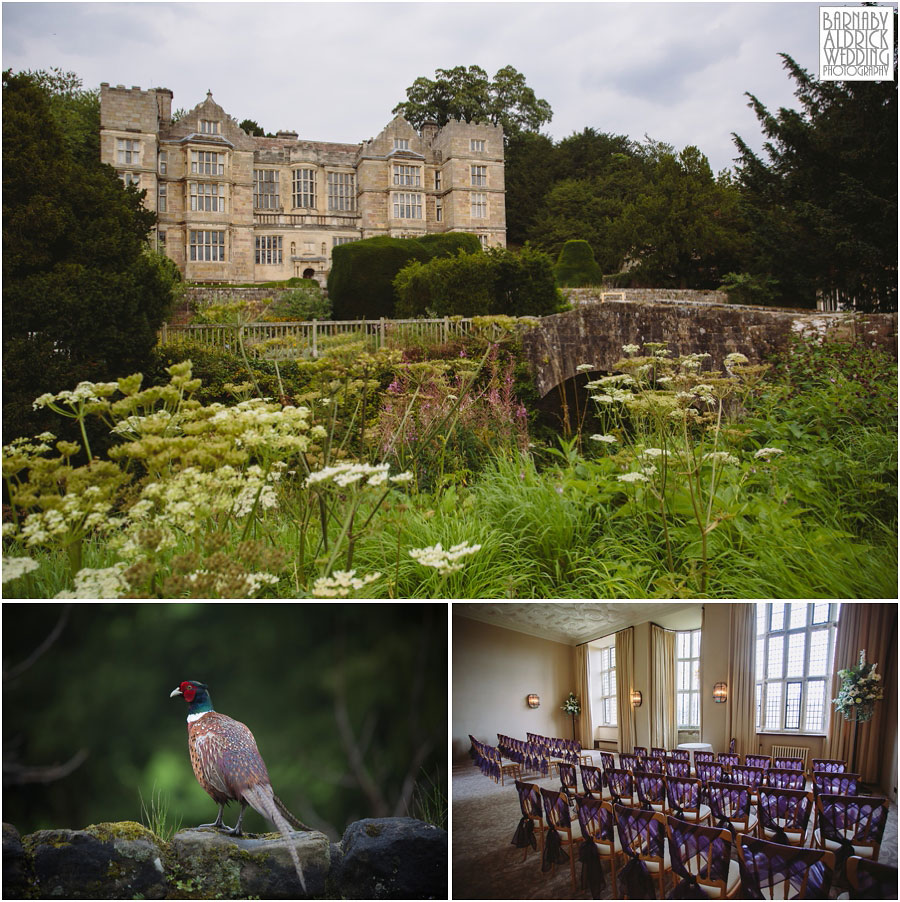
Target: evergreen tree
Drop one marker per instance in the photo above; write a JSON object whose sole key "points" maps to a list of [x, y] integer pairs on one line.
{"points": [[823, 206]]}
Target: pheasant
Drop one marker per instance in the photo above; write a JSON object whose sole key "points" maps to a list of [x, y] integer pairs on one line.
{"points": [[228, 766]]}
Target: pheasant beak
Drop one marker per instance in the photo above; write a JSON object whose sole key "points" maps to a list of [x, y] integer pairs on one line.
{"points": [[175, 692]]}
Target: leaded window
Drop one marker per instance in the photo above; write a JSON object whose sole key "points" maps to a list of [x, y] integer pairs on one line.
{"points": [[605, 696], [479, 176], [268, 249], [794, 650], [128, 152], [265, 189], [304, 184], [207, 197], [407, 206], [206, 162], [479, 206], [341, 191], [207, 245], [407, 176], [687, 679]]}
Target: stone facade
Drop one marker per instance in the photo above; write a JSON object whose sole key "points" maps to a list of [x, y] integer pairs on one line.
{"points": [[235, 208]]}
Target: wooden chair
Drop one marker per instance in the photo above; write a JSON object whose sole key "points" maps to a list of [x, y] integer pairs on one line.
{"points": [[509, 768], [709, 771], [728, 760], [869, 879], [731, 805], [532, 818], [607, 760], [775, 871], [704, 758], [684, 797], [788, 763], [657, 752], [784, 778], [642, 835], [763, 761], [680, 754], [598, 826], [651, 790], [676, 767], [559, 830], [652, 765], [592, 781], [844, 821], [784, 815], [568, 780], [702, 856], [628, 762], [754, 777], [640, 751], [621, 786]]}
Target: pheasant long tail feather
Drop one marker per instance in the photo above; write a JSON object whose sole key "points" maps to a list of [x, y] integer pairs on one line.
{"points": [[262, 799], [294, 822]]}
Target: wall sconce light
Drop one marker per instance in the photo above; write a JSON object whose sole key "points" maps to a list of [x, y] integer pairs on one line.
{"points": [[533, 700], [636, 698], [720, 693]]}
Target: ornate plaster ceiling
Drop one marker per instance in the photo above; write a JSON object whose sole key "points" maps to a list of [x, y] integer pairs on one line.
{"points": [[568, 622]]}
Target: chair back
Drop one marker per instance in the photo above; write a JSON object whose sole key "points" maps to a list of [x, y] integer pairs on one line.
{"points": [[651, 789], [763, 761], [859, 820], [782, 810], [704, 757], [774, 871], [829, 766], [700, 855], [607, 760], [592, 780], [869, 879], [681, 754], [628, 762], [728, 759], [621, 784], [729, 803], [835, 784], [748, 776], [788, 763], [656, 752], [556, 809], [783, 778], [530, 800], [568, 777], [642, 834], [677, 768], [596, 819], [683, 794], [652, 765], [640, 751], [707, 771]]}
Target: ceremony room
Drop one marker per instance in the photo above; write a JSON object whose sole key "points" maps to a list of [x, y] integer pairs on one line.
{"points": [[629, 750]]}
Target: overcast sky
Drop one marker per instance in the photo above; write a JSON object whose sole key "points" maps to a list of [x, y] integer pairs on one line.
{"points": [[333, 71]]}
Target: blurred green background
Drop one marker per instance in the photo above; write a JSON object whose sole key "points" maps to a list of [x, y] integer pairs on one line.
{"points": [[348, 704]]}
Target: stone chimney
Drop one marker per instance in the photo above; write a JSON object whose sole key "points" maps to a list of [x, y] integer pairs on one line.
{"points": [[164, 105], [430, 129]]}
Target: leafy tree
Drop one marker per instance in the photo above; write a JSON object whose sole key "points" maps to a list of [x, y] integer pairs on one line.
{"points": [[823, 205], [529, 168], [82, 295], [469, 95]]}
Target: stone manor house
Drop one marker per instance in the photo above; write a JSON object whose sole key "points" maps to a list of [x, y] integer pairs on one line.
{"points": [[234, 208]]}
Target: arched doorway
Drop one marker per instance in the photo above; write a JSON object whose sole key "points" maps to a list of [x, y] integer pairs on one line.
{"points": [[309, 273]]}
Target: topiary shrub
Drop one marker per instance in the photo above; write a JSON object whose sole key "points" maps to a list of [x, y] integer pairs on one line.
{"points": [[576, 266], [449, 244], [362, 272]]}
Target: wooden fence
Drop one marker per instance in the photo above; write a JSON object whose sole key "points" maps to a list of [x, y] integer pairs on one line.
{"points": [[310, 339]]}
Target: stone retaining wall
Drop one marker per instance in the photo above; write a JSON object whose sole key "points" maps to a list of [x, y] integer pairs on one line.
{"points": [[384, 858], [595, 333], [577, 296]]}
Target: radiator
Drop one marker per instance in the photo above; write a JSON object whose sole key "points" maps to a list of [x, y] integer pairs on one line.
{"points": [[791, 751]]}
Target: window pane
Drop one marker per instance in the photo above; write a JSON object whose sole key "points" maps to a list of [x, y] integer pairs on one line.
{"points": [[820, 612], [695, 709], [777, 615], [695, 677], [695, 644], [761, 615], [792, 707], [776, 651], [818, 652], [773, 706], [758, 704], [612, 656], [796, 647], [798, 615], [760, 658], [815, 705], [682, 640]]}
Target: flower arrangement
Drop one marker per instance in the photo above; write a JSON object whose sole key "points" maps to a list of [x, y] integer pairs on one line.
{"points": [[572, 705], [860, 689]]}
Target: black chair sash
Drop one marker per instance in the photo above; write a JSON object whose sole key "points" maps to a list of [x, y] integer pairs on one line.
{"points": [[592, 876], [524, 834], [554, 853]]}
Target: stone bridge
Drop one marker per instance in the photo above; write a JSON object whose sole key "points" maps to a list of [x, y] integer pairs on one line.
{"points": [[595, 333]]}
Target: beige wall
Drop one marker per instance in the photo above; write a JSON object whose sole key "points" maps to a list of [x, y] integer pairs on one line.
{"points": [[494, 669], [714, 647]]}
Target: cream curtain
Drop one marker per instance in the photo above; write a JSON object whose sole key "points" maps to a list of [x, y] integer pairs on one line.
{"points": [[870, 627], [624, 685], [741, 717], [663, 725], [583, 691]]}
